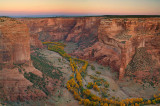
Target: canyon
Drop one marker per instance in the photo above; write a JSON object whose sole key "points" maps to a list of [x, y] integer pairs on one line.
{"points": [[109, 41], [128, 46]]}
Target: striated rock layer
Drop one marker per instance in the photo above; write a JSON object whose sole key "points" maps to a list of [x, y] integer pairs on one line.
{"points": [[15, 87], [14, 53], [109, 41], [127, 35], [81, 30], [14, 42], [35, 42]]}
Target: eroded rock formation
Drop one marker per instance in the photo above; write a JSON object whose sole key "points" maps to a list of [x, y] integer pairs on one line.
{"points": [[35, 42], [14, 42], [109, 41], [128, 35], [14, 53]]}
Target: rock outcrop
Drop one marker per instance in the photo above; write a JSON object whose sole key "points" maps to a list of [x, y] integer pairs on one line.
{"points": [[14, 53], [109, 41], [14, 42]]}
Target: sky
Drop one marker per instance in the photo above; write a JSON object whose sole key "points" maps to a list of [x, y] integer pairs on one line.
{"points": [[79, 7]]}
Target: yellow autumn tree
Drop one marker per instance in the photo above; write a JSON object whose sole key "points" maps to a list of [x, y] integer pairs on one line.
{"points": [[95, 87]]}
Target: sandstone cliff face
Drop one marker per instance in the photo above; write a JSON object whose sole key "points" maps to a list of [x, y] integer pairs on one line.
{"points": [[110, 41], [15, 87], [81, 30], [118, 40], [50, 28], [35, 42], [128, 34], [14, 42], [15, 51]]}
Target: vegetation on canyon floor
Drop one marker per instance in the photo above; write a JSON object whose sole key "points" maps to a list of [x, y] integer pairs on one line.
{"points": [[83, 94], [42, 64]]}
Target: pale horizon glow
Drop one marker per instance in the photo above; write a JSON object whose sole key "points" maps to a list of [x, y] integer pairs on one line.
{"points": [[79, 7]]}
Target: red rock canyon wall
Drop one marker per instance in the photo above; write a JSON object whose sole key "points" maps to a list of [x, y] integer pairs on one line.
{"points": [[109, 41], [14, 42]]}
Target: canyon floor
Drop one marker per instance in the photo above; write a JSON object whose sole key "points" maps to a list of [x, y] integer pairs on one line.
{"points": [[127, 88]]}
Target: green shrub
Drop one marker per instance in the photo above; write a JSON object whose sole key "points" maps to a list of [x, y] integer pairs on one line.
{"points": [[97, 72], [123, 42], [98, 82], [20, 71], [90, 85], [45, 67], [106, 85], [37, 81], [92, 67], [100, 67]]}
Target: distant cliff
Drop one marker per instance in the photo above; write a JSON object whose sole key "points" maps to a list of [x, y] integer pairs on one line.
{"points": [[109, 41]]}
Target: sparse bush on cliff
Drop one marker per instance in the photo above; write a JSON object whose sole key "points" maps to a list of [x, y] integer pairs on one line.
{"points": [[123, 42], [140, 61]]}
